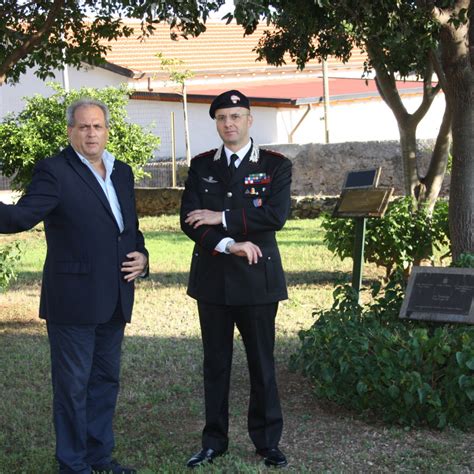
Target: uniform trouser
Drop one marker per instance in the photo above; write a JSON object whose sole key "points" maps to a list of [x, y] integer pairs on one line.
{"points": [[85, 367], [256, 325]]}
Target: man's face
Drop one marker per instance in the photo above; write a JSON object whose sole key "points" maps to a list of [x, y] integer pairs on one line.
{"points": [[89, 135], [233, 126]]}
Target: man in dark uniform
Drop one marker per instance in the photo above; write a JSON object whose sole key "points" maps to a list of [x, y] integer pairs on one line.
{"points": [[236, 197]]}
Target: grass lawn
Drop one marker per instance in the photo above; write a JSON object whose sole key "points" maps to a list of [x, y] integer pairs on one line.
{"points": [[160, 409]]}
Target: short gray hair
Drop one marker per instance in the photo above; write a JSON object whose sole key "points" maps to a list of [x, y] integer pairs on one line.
{"points": [[86, 102]]}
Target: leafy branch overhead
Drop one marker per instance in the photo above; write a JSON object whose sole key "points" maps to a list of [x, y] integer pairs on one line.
{"points": [[48, 34]]}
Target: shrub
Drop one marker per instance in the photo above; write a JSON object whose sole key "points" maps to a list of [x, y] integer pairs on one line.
{"points": [[406, 372], [9, 257], [465, 260], [399, 239], [39, 131]]}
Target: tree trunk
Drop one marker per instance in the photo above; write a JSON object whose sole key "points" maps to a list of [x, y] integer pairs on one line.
{"points": [[461, 202], [423, 189], [408, 147], [459, 72]]}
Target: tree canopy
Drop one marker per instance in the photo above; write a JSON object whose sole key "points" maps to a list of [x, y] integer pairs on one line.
{"points": [[400, 38], [48, 34]]}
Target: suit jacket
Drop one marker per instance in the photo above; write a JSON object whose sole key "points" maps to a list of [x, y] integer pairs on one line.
{"points": [[82, 281], [257, 201]]}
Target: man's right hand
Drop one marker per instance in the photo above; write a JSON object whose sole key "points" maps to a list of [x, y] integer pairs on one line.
{"points": [[246, 249]]}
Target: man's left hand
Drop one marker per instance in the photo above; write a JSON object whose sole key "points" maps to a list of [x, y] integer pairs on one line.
{"points": [[134, 266], [200, 217]]}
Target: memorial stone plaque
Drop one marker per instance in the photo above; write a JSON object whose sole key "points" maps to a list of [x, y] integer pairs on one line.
{"points": [[440, 294]]}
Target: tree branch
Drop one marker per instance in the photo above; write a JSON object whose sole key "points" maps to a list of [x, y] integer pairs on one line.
{"points": [[32, 41], [386, 85], [429, 93]]}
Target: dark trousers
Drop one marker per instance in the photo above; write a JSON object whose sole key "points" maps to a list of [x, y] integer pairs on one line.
{"points": [[85, 367], [256, 325]]}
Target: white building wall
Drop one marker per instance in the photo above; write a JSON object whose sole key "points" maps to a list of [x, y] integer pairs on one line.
{"points": [[11, 96], [352, 121], [202, 130], [356, 121]]}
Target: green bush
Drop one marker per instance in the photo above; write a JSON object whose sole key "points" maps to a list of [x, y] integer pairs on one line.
{"points": [[465, 260], [39, 131], [399, 239], [9, 257], [406, 372]]}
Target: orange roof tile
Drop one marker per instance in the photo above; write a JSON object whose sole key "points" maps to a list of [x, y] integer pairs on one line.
{"points": [[221, 49]]}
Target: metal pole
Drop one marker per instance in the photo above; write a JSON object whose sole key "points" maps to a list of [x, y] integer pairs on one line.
{"points": [[173, 152], [326, 101], [66, 78], [358, 256]]}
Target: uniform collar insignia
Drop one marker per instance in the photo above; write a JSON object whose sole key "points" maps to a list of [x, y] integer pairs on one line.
{"points": [[218, 153], [253, 158], [210, 179], [255, 154]]}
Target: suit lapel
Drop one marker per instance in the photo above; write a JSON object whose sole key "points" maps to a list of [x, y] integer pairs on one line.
{"points": [[89, 179], [122, 191], [221, 167]]}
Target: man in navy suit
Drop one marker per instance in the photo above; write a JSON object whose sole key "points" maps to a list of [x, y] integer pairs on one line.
{"points": [[95, 251], [236, 198]]}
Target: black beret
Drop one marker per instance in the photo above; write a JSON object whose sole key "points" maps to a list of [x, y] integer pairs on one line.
{"points": [[227, 100]]}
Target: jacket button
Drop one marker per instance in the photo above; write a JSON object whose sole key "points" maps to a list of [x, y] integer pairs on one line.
{"points": [[269, 258], [119, 238], [229, 194]]}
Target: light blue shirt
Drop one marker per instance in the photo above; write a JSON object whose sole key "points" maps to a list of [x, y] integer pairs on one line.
{"points": [[106, 184]]}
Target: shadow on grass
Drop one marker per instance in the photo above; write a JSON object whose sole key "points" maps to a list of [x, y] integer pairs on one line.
{"points": [[160, 415], [21, 324], [170, 279]]}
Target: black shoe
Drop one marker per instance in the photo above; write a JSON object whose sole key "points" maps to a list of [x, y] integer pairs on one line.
{"points": [[204, 456], [273, 457], [113, 467]]}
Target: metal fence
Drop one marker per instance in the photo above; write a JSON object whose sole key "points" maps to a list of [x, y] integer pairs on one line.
{"points": [[161, 176], [4, 183]]}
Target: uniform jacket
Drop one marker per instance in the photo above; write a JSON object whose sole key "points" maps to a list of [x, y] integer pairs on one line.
{"points": [[82, 281], [257, 200]]}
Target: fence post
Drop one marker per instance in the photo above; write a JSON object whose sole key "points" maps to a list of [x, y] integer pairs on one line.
{"points": [[173, 152]]}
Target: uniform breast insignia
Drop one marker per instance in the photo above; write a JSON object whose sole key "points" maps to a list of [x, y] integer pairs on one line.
{"points": [[209, 179], [257, 178], [255, 192]]}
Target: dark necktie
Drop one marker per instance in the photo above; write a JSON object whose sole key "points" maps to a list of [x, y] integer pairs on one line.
{"points": [[233, 159]]}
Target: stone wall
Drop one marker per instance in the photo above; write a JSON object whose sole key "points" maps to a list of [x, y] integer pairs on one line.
{"points": [[318, 174], [320, 169], [158, 201]]}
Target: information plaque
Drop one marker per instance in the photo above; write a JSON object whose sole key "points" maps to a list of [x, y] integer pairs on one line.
{"points": [[362, 179], [440, 294], [370, 202]]}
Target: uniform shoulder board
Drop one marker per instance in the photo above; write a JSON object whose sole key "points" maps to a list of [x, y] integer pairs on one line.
{"points": [[206, 153], [274, 153]]}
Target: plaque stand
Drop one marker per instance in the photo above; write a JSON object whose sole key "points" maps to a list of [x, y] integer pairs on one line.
{"points": [[361, 198], [358, 253]]}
